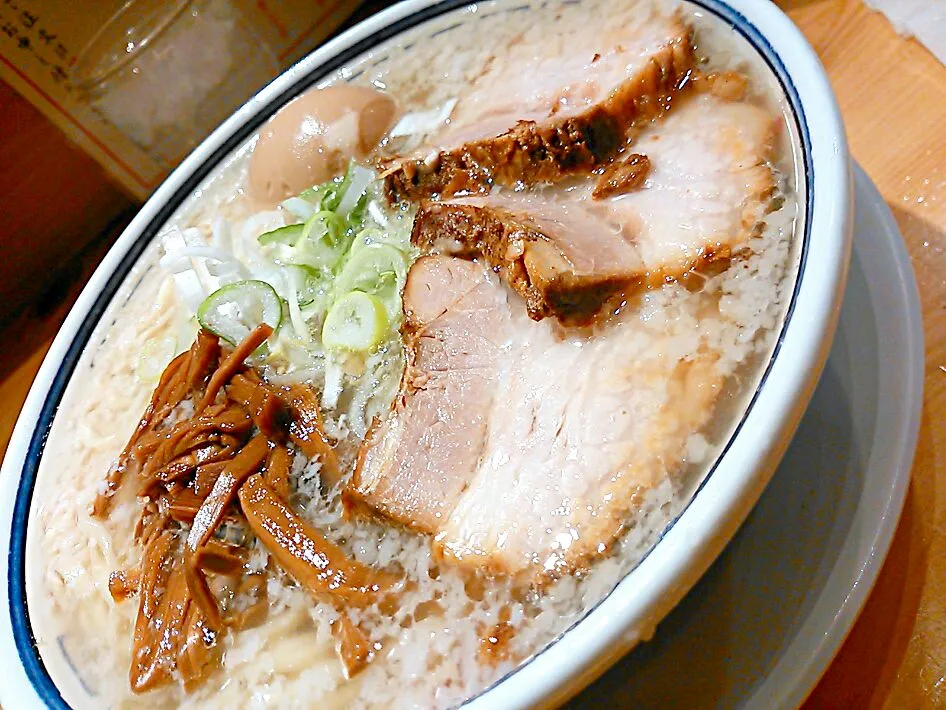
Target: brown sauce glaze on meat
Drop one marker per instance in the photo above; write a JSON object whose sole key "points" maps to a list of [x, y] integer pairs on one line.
{"points": [[564, 261], [622, 176], [689, 202], [560, 142]]}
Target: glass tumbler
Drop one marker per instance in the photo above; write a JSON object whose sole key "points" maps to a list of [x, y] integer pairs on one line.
{"points": [[166, 72]]}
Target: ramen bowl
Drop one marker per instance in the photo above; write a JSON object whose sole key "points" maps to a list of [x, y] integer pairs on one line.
{"points": [[39, 668]]}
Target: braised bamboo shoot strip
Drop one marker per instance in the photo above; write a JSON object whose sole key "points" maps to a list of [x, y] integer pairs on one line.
{"points": [[268, 411], [268, 407], [205, 353], [277, 471], [320, 566], [152, 523], [184, 506], [155, 569], [190, 474], [199, 588], [205, 476], [179, 377], [354, 648], [307, 433], [211, 440], [200, 654], [176, 642], [218, 558], [172, 637], [163, 396], [182, 466], [254, 586], [123, 584], [211, 512], [234, 363], [224, 431]]}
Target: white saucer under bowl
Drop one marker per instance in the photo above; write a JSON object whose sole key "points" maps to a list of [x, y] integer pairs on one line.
{"points": [[763, 624]]}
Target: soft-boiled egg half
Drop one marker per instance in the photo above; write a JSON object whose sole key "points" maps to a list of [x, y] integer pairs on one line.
{"points": [[312, 138]]}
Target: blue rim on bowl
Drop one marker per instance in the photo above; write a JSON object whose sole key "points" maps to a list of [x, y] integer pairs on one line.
{"points": [[234, 132]]}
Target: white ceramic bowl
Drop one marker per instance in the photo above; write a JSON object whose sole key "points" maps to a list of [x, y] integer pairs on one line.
{"points": [[630, 613]]}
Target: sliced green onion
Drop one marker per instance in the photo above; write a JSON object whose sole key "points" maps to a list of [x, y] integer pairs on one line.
{"points": [[322, 242], [324, 224], [314, 194], [331, 195], [389, 293], [367, 237], [315, 255], [335, 190], [232, 311], [288, 235], [357, 321], [307, 282], [359, 179], [296, 318], [357, 214], [365, 268], [155, 354]]}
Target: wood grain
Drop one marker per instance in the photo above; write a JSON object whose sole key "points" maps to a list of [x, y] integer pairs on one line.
{"points": [[892, 93]]}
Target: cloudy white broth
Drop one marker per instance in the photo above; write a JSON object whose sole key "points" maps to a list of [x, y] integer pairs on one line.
{"points": [[423, 369]]}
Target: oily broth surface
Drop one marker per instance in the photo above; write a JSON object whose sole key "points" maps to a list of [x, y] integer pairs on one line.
{"points": [[290, 660]]}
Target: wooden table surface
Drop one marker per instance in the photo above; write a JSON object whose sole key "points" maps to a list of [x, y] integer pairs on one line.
{"points": [[893, 96]]}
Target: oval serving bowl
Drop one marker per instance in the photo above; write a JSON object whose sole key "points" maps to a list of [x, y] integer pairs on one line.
{"points": [[630, 612]]}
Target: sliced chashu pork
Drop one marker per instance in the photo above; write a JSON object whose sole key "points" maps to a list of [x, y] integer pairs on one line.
{"points": [[562, 259], [532, 118], [520, 447], [456, 332], [570, 255], [710, 186]]}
